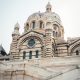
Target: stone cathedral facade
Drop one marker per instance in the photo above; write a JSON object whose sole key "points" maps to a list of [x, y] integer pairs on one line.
{"points": [[41, 53], [43, 37]]}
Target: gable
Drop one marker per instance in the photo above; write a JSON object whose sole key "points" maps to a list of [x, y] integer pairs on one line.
{"points": [[29, 34], [32, 32]]}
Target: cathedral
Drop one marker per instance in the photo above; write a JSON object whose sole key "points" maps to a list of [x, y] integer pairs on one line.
{"points": [[41, 52], [43, 37]]}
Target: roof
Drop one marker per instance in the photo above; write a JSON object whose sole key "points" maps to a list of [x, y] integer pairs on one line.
{"points": [[42, 16], [2, 51]]}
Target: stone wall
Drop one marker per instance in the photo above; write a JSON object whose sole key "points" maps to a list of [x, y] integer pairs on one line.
{"points": [[58, 68]]}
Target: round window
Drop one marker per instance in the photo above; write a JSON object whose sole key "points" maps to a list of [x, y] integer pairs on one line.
{"points": [[31, 42]]}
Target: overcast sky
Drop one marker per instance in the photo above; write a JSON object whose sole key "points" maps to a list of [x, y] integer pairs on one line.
{"points": [[13, 11]]}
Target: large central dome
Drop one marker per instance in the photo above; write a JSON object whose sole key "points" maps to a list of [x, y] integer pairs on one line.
{"points": [[45, 16], [41, 21]]}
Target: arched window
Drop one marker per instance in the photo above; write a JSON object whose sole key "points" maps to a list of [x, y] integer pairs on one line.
{"points": [[54, 33], [41, 24], [33, 24], [30, 55], [77, 52], [27, 26], [24, 55], [37, 54], [47, 9]]}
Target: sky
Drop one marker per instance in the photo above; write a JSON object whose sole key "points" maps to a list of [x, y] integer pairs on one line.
{"points": [[13, 11]]}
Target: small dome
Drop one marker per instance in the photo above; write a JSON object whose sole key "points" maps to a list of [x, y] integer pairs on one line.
{"points": [[17, 26], [48, 5], [16, 29]]}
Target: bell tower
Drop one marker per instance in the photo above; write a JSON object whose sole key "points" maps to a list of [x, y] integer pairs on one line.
{"points": [[15, 36]]}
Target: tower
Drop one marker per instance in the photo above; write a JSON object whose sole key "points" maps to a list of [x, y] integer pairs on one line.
{"points": [[15, 36]]}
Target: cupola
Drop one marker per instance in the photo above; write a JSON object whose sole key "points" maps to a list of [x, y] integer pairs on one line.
{"points": [[16, 29], [48, 7]]}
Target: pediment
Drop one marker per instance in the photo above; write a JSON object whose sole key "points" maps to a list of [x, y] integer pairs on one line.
{"points": [[32, 33]]}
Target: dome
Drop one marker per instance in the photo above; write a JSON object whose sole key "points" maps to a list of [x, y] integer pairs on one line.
{"points": [[16, 29], [35, 16], [17, 26], [48, 15], [52, 17], [38, 20]]}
